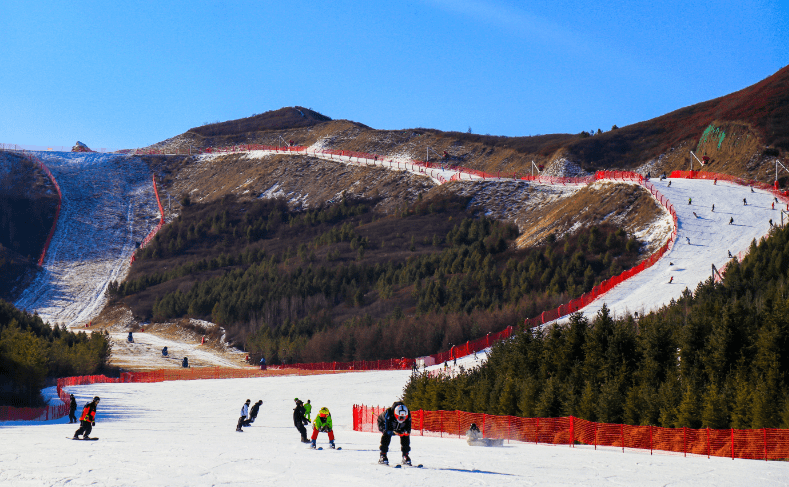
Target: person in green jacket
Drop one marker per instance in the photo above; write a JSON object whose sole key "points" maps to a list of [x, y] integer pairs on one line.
{"points": [[308, 410], [323, 423]]}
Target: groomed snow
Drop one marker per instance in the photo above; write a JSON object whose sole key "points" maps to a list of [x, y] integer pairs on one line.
{"points": [[108, 205], [183, 434], [711, 239]]}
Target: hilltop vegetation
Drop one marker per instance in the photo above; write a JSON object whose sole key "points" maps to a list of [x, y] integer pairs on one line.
{"points": [[717, 357], [345, 283]]}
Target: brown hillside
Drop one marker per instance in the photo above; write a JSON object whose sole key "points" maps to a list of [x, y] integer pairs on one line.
{"points": [[284, 118]]}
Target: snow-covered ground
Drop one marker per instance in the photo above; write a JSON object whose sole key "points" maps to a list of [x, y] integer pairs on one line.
{"points": [[703, 239], [108, 206], [183, 434]]}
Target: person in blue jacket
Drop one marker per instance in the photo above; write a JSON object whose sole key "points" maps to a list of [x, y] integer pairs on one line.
{"points": [[396, 420]]}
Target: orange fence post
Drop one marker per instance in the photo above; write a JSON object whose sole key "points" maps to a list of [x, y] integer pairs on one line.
{"points": [[732, 443], [650, 439]]}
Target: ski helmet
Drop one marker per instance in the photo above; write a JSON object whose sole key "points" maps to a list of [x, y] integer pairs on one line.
{"points": [[96, 399], [401, 413], [324, 412]]}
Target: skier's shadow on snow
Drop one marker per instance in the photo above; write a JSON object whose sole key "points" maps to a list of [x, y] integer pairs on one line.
{"points": [[466, 470]]}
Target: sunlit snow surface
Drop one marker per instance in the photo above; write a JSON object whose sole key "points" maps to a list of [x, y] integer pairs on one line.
{"points": [[183, 434], [711, 239], [108, 205]]}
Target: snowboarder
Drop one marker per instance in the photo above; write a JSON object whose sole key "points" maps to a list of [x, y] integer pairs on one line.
{"points": [[751, 188], [244, 413], [671, 280], [474, 438], [773, 205], [396, 420], [185, 363], [771, 222], [130, 338], [694, 214], [713, 208], [262, 363], [730, 256], [731, 220], [715, 182], [323, 423], [688, 239], [164, 352], [88, 419], [253, 413], [744, 202], [669, 184], [72, 408], [299, 420], [308, 410], [690, 200]]}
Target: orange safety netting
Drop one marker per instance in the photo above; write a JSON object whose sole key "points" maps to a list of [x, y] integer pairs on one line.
{"points": [[759, 444]]}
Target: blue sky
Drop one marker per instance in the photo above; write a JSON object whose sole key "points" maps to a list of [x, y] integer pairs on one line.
{"points": [[123, 75]]}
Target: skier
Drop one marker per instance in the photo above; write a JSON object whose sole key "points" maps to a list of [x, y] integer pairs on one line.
{"points": [[694, 214], [262, 363], [671, 280], [731, 220], [299, 420], [730, 256], [130, 338], [308, 410], [751, 188], [244, 413], [323, 423], [690, 200], [715, 181], [771, 222], [164, 352], [744, 202], [253, 413], [185, 363], [88, 419], [669, 184], [396, 420], [713, 208], [773, 205], [72, 408], [474, 438], [688, 239]]}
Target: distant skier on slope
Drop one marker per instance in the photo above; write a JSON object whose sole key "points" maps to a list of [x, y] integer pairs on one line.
{"points": [[713, 208], [308, 410], [731, 220], [72, 408], [671, 280], [744, 202], [164, 352], [690, 200], [130, 338], [185, 363], [299, 420], [323, 424], [88, 419], [244, 413], [730, 256], [396, 420]]}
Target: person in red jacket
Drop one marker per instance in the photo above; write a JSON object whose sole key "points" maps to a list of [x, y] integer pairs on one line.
{"points": [[87, 420]]}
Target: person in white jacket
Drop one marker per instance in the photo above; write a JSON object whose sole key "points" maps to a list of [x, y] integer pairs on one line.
{"points": [[244, 414]]}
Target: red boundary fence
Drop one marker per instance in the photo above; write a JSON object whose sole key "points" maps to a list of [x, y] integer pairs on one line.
{"points": [[35, 160], [153, 233], [9, 413], [754, 444]]}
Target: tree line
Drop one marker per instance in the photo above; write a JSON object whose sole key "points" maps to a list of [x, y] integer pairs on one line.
{"points": [[335, 284], [716, 357]]}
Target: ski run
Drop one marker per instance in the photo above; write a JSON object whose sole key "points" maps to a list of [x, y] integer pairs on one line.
{"points": [[182, 433]]}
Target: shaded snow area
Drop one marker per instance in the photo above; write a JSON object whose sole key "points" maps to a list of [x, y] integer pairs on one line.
{"points": [[183, 434], [108, 205], [710, 236]]}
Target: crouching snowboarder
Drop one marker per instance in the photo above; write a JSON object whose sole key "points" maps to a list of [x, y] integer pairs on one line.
{"points": [[396, 420], [88, 419], [323, 424], [299, 420], [253, 413], [474, 438]]}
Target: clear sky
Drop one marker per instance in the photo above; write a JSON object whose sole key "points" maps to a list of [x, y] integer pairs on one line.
{"points": [[128, 74]]}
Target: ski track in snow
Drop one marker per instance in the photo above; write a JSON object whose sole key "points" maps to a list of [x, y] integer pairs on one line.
{"points": [[108, 205], [182, 433]]}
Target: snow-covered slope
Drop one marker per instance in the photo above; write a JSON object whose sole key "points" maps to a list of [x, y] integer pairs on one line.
{"points": [[108, 206], [703, 239], [183, 434]]}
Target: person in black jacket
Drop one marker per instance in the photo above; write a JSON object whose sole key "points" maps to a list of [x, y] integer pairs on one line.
{"points": [[299, 420], [396, 420], [253, 413], [72, 408]]}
